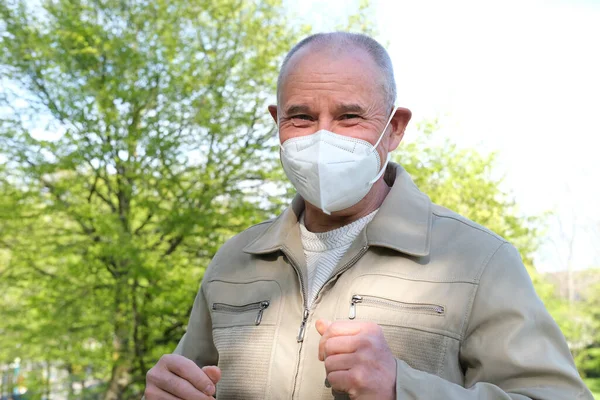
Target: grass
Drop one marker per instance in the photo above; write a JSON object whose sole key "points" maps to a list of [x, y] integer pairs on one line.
{"points": [[594, 385]]}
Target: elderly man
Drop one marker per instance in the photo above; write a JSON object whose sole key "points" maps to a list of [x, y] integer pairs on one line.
{"points": [[362, 288]]}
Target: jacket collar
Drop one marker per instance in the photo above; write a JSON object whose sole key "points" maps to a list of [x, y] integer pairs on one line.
{"points": [[403, 222]]}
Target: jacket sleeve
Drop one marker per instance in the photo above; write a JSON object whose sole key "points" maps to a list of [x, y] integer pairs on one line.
{"points": [[512, 348], [197, 343]]}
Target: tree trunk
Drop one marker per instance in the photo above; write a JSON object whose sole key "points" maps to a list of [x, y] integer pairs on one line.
{"points": [[119, 380], [48, 386], [121, 370]]}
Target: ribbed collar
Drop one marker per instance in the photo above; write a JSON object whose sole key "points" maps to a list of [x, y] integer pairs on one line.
{"points": [[342, 236]]}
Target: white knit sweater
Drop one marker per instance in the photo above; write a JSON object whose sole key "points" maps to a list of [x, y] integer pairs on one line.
{"points": [[323, 251]]}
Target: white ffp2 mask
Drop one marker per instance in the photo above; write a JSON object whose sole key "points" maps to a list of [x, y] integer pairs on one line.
{"points": [[331, 171]]}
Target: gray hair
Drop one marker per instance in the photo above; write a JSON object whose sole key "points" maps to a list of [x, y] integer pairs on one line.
{"points": [[343, 40]]}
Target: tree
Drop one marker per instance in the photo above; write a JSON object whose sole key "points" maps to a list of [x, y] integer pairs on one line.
{"points": [[160, 149], [464, 181], [588, 359]]}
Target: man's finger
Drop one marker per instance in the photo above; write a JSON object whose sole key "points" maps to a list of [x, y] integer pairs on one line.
{"points": [[322, 326], [192, 373], [179, 388], [339, 381], [155, 393], [341, 328], [336, 345], [340, 362], [213, 372], [344, 328]]}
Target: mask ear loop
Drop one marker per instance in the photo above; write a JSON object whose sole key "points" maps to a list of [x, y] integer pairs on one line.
{"points": [[386, 126], [387, 160]]}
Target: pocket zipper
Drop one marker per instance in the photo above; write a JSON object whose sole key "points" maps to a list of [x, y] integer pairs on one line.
{"points": [[261, 306], [429, 308]]}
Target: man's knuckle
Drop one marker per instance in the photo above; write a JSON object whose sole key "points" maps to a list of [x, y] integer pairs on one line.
{"points": [[375, 341], [364, 341], [165, 358], [353, 392], [329, 363], [358, 378], [150, 393], [329, 377], [364, 357], [375, 328], [329, 347], [172, 382], [154, 375]]}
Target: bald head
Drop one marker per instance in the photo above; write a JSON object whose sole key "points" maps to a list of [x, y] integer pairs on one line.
{"points": [[341, 42]]}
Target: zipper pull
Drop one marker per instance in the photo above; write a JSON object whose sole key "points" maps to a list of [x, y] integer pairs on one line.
{"points": [[302, 326], [263, 306], [355, 299]]}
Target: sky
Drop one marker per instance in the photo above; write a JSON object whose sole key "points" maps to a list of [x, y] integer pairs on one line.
{"points": [[521, 78]]}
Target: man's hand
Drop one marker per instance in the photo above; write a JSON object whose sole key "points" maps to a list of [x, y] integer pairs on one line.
{"points": [[357, 359], [176, 377]]}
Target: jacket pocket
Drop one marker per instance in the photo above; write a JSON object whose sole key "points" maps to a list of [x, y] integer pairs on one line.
{"points": [[358, 300], [244, 318], [413, 316], [257, 308]]}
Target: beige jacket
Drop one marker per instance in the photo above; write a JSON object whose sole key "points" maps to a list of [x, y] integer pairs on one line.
{"points": [[455, 302]]}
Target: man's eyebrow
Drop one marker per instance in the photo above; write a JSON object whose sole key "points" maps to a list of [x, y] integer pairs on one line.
{"points": [[297, 109], [350, 108]]}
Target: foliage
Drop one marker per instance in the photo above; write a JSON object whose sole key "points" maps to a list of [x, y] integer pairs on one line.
{"points": [[587, 356], [594, 385], [361, 21], [463, 180], [160, 149]]}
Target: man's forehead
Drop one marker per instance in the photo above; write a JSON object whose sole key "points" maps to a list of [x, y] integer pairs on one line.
{"points": [[351, 74], [321, 60], [316, 55]]}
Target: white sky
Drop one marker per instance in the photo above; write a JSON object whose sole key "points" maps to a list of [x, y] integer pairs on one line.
{"points": [[519, 77]]}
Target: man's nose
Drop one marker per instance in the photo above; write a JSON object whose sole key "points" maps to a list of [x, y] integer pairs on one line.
{"points": [[325, 122]]}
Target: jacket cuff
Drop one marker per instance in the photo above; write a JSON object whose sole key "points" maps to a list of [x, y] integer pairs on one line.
{"points": [[412, 384]]}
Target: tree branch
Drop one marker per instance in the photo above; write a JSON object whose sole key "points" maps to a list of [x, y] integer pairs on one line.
{"points": [[173, 244], [143, 224]]}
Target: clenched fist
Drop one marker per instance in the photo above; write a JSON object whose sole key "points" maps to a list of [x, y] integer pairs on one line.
{"points": [[176, 377], [357, 359]]}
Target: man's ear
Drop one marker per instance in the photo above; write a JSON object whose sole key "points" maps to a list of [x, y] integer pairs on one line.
{"points": [[273, 112], [399, 122]]}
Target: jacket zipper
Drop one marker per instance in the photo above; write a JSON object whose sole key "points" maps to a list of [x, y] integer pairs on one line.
{"points": [[261, 306], [302, 329], [306, 314], [379, 301]]}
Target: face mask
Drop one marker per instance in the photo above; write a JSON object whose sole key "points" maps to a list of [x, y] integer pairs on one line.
{"points": [[331, 171]]}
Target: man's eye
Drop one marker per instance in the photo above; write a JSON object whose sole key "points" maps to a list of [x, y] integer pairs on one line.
{"points": [[350, 116], [302, 116]]}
